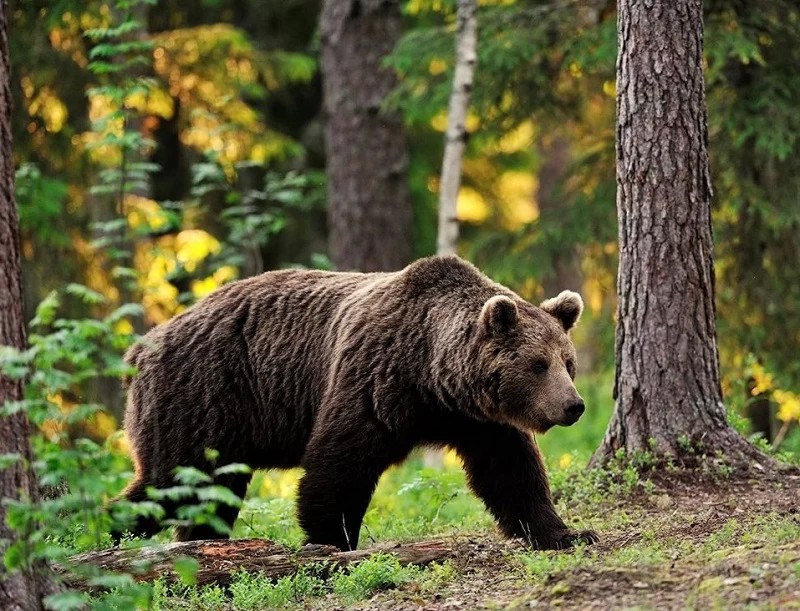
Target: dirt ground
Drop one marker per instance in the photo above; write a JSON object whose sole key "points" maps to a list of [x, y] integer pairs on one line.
{"points": [[690, 544]]}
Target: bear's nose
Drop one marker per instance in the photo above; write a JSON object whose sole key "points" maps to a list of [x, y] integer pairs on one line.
{"points": [[575, 410]]}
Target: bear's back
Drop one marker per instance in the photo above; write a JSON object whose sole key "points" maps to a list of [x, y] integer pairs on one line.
{"points": [[244, 367]]}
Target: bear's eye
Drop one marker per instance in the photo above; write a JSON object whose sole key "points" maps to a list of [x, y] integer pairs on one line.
{"points": [[571, 368], [539, 366]]}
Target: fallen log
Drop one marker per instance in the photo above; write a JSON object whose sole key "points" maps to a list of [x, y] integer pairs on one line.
{"points": [[219, 560]]}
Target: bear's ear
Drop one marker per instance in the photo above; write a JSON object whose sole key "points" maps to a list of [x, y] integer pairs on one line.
{"points": [[499, 314], [566, 307]]}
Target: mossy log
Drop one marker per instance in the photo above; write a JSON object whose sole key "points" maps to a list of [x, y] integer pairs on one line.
{"points": [[218, 560]]}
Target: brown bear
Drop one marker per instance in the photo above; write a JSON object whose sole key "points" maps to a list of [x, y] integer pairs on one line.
{"points": [[344, 374]]}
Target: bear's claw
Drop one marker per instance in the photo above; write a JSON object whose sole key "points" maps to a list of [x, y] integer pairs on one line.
{"points": [[564, 539]]}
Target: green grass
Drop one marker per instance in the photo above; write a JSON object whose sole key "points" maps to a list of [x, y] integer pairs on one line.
{"points": [[250, 592], [416, 503]]}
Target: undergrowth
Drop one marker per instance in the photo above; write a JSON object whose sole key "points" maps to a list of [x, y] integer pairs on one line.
{"points": [[251, 592]]}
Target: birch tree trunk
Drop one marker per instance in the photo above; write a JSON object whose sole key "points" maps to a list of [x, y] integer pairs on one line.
{"points": [[667, 388], [456, 138], [554, 152], [20, 590], [369, 203], [455, 142]]}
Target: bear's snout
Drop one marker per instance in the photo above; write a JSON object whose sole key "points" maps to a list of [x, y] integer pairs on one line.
{"points": [[573, 413]]}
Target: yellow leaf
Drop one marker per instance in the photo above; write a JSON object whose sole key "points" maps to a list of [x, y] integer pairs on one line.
{"points": [[788, 405]]}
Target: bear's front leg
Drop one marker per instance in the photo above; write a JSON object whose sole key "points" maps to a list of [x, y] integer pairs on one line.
{"points": [[505, 469], [343, 462]]}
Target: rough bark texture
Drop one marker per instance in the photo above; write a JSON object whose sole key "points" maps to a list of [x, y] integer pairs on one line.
{"points": [[369, 205], [219, 560], [456, 138], [667, 380], [21, 590]]}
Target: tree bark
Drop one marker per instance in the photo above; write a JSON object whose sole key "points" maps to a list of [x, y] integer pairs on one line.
{"points": [[456, 138], [667, 388], [22, 590], [369, 204], [218, 560]]}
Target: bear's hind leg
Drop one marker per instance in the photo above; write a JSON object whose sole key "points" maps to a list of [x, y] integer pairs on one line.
{"points": [[342, 469], [142, 526], [236, 483]]}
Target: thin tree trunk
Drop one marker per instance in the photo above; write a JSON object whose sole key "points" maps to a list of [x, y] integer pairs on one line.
{"points": [[760, 413], [667, 390], [554, 151], [369, 204], [455, 143], [456, 138], [556, 156], [21, 590]]}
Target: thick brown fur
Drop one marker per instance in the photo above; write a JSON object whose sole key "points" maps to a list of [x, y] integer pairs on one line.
{"points": [[344, 374]]}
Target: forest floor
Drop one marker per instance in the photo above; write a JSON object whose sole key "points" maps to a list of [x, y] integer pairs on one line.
{"points": [[675, 539], [690, 543]]}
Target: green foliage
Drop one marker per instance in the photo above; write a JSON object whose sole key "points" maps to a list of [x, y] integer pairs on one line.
{"points": [[253, 217], [623, 476], [40, 202], [252, 592], [423, 502], [249, 592], [376, 573], [77, 474], [169, 597], [199, 497], [755, 140], [270, 518], [539, 567]]}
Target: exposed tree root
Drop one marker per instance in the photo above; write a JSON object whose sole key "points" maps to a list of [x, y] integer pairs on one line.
{"points": [[723, 447]]}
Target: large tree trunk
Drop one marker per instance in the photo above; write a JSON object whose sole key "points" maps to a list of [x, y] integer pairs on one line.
{"points": [[456, 139], [667, 389], [369, 205], [22, 589]]}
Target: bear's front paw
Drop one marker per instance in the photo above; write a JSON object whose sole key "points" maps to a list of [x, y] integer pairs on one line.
{"points": [[563, 539]]}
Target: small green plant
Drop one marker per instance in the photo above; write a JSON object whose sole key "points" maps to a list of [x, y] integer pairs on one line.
{"points": [[440, 488], [685, 444], [169, 597], [198, 496], [622, 476], [270, 518], [253, 591], [78, 474], [376, 573]]}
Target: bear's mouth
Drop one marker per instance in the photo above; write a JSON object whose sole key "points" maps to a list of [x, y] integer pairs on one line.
{"points": [[569, 420], [572, 415]]}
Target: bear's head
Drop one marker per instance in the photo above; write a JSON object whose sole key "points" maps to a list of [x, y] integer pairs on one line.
{"points": [[527, 362]]}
